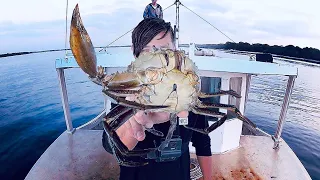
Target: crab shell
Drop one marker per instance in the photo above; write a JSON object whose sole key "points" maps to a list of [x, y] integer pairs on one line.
{"points": [[171, 77], [161, 77]]}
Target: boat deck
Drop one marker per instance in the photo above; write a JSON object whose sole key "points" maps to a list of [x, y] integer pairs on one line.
{"points": [[82, 156], [256, 159], [77, 156]]}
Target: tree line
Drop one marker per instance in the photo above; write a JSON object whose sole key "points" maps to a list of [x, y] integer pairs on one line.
{"points": [[289, 50]]}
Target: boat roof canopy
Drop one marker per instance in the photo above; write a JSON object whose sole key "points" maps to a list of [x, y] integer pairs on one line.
{"points": [[204, 63]]}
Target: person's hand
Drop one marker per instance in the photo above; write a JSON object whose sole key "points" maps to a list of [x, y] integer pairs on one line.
{"points": [[133, 130], [136, 124]]}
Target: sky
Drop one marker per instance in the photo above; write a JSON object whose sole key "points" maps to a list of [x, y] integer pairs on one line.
{"points": [[39, 25]]}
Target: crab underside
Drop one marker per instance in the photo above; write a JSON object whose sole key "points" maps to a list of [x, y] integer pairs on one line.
{"points": [[159, 80]]}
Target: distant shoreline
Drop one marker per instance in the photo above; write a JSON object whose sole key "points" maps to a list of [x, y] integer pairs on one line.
{"points": [[274, 55], [306, 54]]}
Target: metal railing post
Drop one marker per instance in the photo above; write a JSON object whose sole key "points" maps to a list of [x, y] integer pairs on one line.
{"points": [[283, 112], [64, 99], [107, 102]]}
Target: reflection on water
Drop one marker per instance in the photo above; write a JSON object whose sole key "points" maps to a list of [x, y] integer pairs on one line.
{"points": [[32, 116]]}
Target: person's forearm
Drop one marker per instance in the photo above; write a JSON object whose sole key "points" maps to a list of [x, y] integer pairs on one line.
{"points": [[205, 163]]}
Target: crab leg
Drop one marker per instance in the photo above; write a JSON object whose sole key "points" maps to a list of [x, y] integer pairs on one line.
{"points": [[81, 45], [120, 150], [132, 104], [111, 130], [122, 159], [210, 128], [116, 120], [207, 112], [220, 93], [123, 93], [84, 54], [131, 91], [229, 107], [154, 132], [117, 123], [173, 124], [129, 80], [122, 81], [117, 116], [215, 105], [115, 113]]}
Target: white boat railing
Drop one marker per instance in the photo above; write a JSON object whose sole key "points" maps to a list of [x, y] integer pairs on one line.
{"points": [[209, 67], [225, 68], [64, 99]]}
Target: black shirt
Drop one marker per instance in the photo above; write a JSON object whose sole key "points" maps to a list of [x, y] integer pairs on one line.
{"points": [[177, 169]]}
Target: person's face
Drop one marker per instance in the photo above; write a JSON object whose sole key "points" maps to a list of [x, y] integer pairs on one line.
{"points": [[165, 42], [153, 1]]}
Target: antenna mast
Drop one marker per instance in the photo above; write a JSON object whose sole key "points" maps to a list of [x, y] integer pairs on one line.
{"points": [[176, 27]]}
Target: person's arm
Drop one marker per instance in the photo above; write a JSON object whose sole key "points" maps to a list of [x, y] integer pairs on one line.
{"points": [[201, 142], [126, 137], [205, 163], [161, 12], [126, 133], [146, 12], [132, 131]]}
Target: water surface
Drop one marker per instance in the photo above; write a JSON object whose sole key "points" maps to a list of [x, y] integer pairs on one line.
{"points": [[31, 113]]}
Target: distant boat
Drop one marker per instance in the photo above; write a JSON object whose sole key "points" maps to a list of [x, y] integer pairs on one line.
{"points": [[238, 151], [262, 57]]}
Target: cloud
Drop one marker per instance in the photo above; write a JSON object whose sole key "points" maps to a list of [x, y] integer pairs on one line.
{"points": [[21, 12], [281, 22], [36, 24]]}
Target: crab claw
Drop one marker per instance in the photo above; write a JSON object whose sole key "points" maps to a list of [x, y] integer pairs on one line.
{"points": [[81, 45]]}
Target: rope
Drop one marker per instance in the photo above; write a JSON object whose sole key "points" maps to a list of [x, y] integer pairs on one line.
{"points": [[29, 52], [195, 172], [65, 46], [66, 38], [45, 51], [104, 48], [208, 22]]}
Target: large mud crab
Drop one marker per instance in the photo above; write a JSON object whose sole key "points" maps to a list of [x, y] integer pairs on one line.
{"points": [[160, 80]]}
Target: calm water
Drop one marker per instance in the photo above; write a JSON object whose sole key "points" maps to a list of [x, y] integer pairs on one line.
{"points": [[31, 114]]}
